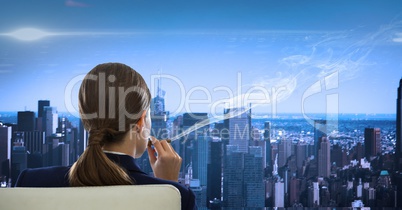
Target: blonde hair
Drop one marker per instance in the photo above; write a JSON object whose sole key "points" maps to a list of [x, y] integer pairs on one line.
{"points": [[112, 98]]}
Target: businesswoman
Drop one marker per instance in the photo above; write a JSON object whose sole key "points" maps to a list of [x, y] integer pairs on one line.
{"points": [[114, 105]]}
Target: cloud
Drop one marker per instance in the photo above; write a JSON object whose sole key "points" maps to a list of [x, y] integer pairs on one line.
{"points": [[398, 38], [295, 60], [28, 34], [33, 34], [324, 56], [72, 3], [280, 87], [5, 71]]}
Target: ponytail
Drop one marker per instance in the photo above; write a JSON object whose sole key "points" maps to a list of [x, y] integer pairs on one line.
{"points": [[94, 168]]}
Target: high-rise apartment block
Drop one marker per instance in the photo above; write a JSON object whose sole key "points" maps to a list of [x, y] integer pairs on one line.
{"points": [[372, 142]]}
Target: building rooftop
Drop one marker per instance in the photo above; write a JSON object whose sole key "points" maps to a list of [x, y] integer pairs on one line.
{"points": [[384, 173]]}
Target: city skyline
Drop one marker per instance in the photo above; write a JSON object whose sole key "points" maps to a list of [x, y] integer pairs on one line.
{"points": [[300, 179], [324, 57]]}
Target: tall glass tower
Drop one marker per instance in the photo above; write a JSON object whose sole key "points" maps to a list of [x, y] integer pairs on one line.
{"points": [[267, 139], [214, 173], [41, 114], [324, 158], [398, 150], [320, 130], [239, 128], [159, 117], [41, 105], [196, 152], [50, 120]]}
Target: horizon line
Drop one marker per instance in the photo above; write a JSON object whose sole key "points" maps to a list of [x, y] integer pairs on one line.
{"points": [[259, 113]]}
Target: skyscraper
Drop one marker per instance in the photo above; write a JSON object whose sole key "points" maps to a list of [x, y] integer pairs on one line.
{"points": [[19, 156], [372, 142], [26, 121], [214, 172], [50, 120], [197, 150], [320, 130], [239, 128], [262, 144], [284, 151], [177, 126], [201, 158], [314, 195], [301, 155], [398, 150], [34, 142], [267, 139], [5, 150], [294, 191], [233, 189], [41, 105], [324, 158], [279, 194], [56, 151], [159, 117], [399, 188], [253, 178], [39, 122]]}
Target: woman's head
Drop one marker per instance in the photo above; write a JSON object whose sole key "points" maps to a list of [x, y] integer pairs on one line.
{"points": [[113, 102], [113, 95]]}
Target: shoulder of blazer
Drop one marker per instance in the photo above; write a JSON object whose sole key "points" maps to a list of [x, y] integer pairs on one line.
{"points": [[55, 176]]}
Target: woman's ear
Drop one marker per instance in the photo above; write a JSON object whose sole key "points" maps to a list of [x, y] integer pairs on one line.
{"points": [[141, 121], [140, 124]]}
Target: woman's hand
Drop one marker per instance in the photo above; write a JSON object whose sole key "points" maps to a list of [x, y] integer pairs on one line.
{"points": [[166, 164]]}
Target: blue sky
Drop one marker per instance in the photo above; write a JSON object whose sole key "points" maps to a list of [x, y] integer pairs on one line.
{"points": [[313, 56]]}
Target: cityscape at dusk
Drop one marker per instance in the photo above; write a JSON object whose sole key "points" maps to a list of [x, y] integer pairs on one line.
{"points": [[293, 103]]}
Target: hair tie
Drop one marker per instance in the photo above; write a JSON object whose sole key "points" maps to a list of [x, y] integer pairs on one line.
{"points": [[94, 143], [100, 136], [97, 137]]}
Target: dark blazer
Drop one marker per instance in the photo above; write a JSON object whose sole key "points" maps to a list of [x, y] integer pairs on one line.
{"points": [[57, 176]]}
